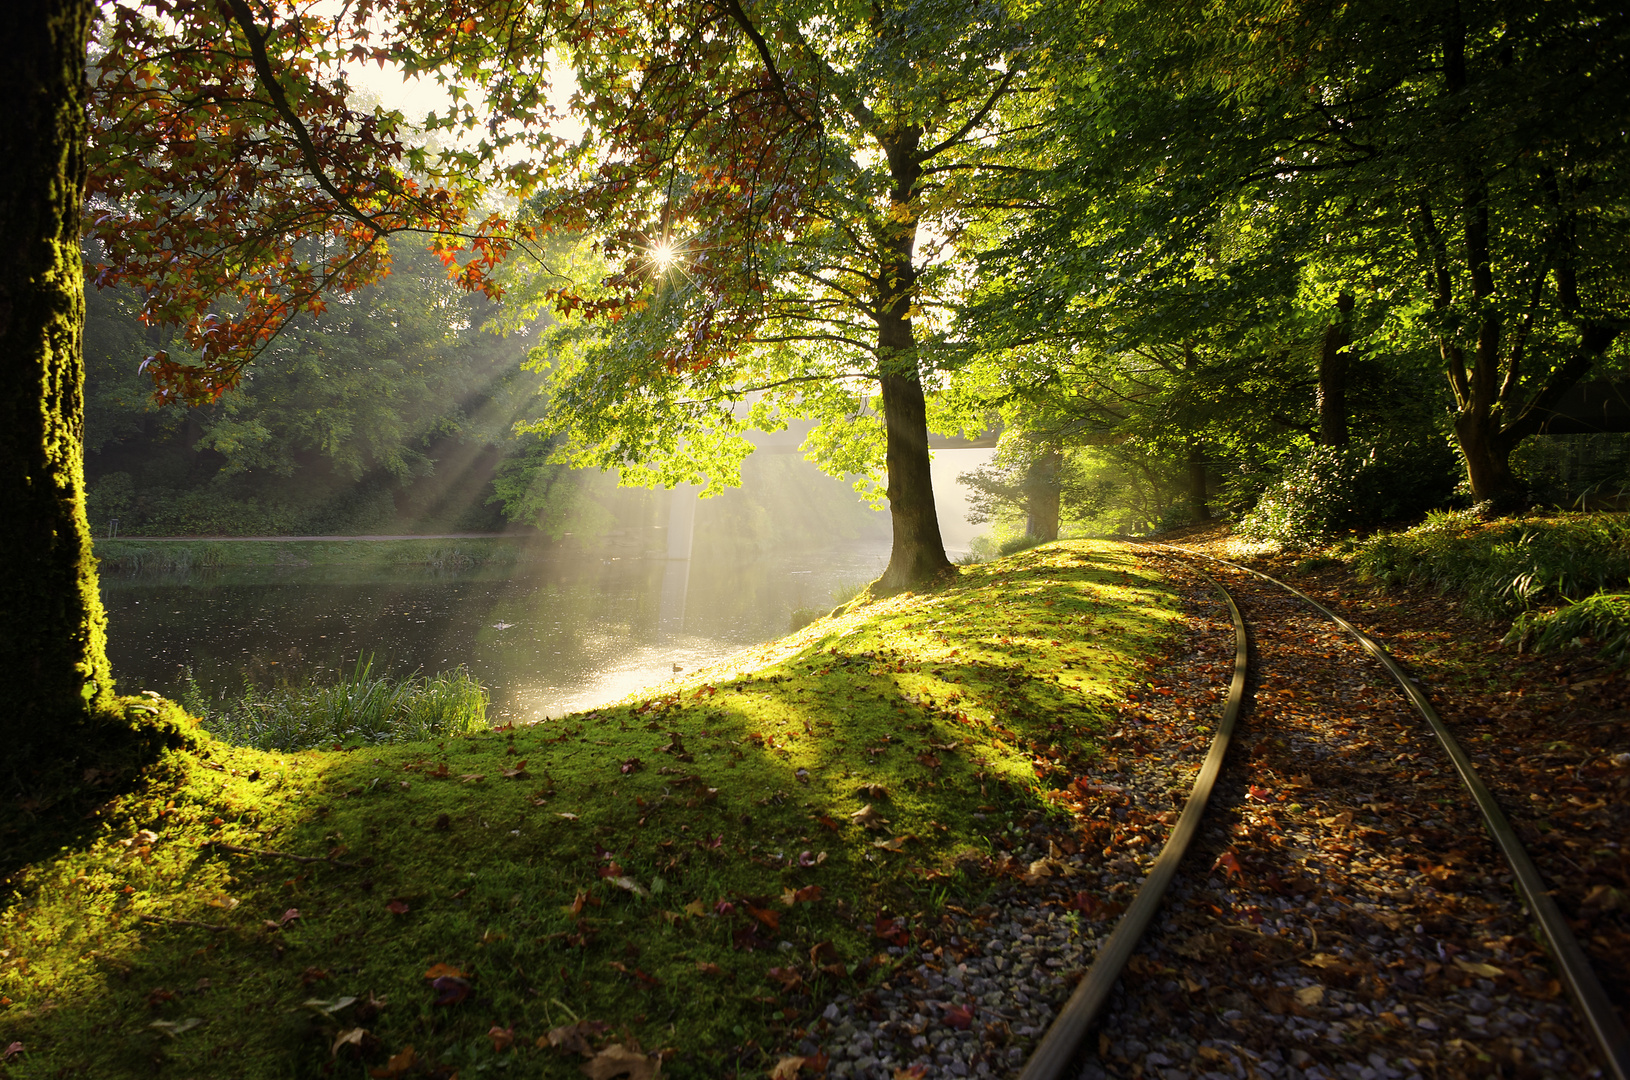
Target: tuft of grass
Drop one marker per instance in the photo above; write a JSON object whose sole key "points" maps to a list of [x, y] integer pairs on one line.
{"points": [[359, 709], [1602, 620], [1505, 567], [685, 867]]}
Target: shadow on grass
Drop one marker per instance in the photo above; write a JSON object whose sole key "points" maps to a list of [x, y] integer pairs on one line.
{"points": [[696, 870]]}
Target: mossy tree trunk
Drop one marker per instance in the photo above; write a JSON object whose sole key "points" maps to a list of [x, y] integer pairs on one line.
{"points": [[56, 689]]}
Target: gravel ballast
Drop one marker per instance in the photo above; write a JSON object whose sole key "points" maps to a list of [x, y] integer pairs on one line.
{"points": [[1342, 913]]}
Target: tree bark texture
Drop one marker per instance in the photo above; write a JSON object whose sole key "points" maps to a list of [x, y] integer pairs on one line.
{"points": [[1042, 495], [56, 687], [918, 552], [1198, 506], [1333, 378]]}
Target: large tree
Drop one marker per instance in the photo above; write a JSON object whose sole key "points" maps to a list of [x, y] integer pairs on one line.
{"points": [[1445, 177], [216, 141], [775, 193]]}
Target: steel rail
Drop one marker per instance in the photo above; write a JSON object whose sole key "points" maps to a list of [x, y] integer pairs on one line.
{"points": [[1058, 1048], [1577, 974]]}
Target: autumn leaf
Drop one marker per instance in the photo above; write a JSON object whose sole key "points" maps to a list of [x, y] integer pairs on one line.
{"points": [[928, 760], [628, 884], [574, 1038], [1310, 995], [502, 1038], [223, 901], [947, 747], [959, 1017], [518, 772], [709, 969], [911, 1072], [827, 822], [397, 907], [1487, 971], [568, 817], [1259, 794], [696, 909], [352, 1038], [630, 765], [1229, 862], [398, 1064], [618, 1060], [867, 817], [786, 1068], [445, 971], [874, 791], [896, 844], [808, 894], [770, 919], [470, 778]]}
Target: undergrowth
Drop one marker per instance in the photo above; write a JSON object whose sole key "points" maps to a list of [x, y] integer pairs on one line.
{"points": [[1502, 568], [360, 709], [697, 870], [1601, 622]]}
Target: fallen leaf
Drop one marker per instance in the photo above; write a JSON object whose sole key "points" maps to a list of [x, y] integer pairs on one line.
{"points": [[472, 777], [516, 773], [618, 1060], [897, 844], [911, 1072], [568, 817], [1259, 794], [1310, 995], [352, 1038], [1487, 971], [827, 822], [928, 760], [629, 884], [874, 791], [867, 817], [397, 907], [289, 916], [450, 990], [397, 1065], [177, 1027], [696, 909], [709, 969], [502, 1038], [959, 1017], [12, 1051], [445, 971], [221, 900], [329, 1006], [770, 919], [786, 1068], [574, 1038]]}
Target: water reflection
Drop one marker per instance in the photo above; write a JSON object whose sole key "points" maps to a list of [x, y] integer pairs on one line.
{"points": [[548, 635]]}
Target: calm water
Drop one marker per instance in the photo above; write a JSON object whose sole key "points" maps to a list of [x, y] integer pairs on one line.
{"points": [[545, 636]]}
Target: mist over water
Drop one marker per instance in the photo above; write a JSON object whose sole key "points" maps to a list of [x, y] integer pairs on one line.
{"points": [[550, 633], [545, 636]]}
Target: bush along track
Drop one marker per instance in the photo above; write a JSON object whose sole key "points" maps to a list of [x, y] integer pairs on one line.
{"points": [[682, 882], [1345, 914]]}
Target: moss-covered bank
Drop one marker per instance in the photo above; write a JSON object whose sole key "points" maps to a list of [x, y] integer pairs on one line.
{"points": [[693, 870]]}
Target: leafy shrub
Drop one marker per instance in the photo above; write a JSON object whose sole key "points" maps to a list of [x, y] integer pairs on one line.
{"points": [[362, 707], [1334, 489], [1503, 568], [1602, 620]]}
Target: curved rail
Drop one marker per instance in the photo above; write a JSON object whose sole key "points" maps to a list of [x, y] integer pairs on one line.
{"points": [[1053, 1057], [1577, 974]]}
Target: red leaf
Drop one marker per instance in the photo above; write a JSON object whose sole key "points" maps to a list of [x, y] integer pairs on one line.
{"points": [[959, 1017], [396, 907]]}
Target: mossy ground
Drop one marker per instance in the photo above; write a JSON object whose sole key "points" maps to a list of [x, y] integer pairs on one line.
{"points": [[637, 864]]}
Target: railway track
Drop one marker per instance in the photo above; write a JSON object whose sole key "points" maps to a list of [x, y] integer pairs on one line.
{"points": [[1351, 903]]}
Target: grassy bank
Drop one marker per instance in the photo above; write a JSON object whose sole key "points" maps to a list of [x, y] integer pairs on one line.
{"points": [[182, 556], [690, 872]]}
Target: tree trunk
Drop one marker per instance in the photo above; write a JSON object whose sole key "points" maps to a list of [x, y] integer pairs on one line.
{"points": [[1198, 506], [1041, 495], [918, 552], [55, 681], [1333, 378]]}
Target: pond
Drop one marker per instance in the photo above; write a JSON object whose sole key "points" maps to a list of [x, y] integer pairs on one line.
{"points": [[547, 635]]}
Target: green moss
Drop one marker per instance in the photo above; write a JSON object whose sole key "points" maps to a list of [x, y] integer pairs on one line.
{"points": [[499, 854]]}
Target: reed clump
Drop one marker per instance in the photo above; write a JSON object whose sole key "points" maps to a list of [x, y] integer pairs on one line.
{"points": [[362, 708]]}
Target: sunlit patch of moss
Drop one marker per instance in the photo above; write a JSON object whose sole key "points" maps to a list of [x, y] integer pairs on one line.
{"points": [[576, 868]]}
